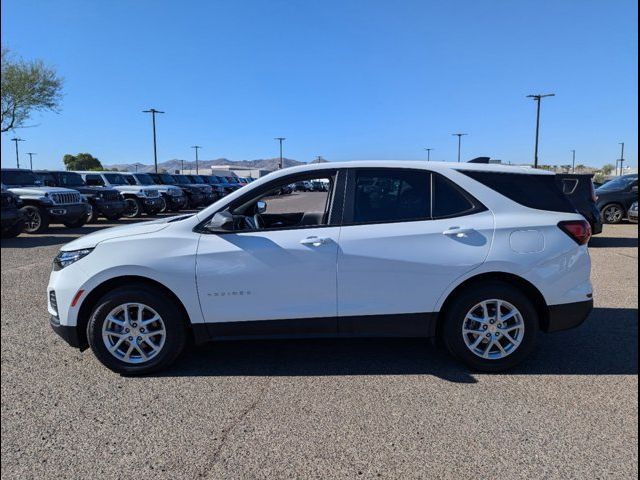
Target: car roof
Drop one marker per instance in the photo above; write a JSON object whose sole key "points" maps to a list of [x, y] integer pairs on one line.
{"points": [[434, 166]]}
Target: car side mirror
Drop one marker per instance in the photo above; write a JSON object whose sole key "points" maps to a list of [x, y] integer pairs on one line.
{"points": [[221, 222], [261, 206]]}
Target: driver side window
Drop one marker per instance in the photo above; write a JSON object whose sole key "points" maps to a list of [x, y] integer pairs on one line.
{"points": [[286, 207]]}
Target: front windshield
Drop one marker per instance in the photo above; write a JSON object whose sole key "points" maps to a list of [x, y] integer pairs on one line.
{"points": [[212, 180], [20, 178], [116, 179], [167, 179], [222, 180], [197, 179], [181, 179], [71, 179], [144, 179], [620, 183]]}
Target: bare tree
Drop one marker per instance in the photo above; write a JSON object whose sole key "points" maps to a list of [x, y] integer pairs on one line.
{"points": [[27, 86]]}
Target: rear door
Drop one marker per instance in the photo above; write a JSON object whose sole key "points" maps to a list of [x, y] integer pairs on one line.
{"points": [[407, 235]]}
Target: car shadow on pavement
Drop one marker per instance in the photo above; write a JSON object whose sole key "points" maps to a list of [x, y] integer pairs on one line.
{"points": [[606, 344], [614, 242]]}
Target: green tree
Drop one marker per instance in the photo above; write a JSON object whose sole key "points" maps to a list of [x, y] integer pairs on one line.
{"points": [[608, 169], [81, 161], [27, 86]]}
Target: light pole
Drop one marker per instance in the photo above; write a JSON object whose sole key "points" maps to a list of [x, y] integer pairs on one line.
{"points": [[182, 166], [153, 112], [196, 148], [280, 139], [573, 164], [538, 98], [428, 154], [621, 159], [31, 154], [16, 140], [459, 135]]}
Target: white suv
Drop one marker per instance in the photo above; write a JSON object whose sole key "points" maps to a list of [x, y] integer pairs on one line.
{"points": [[483, 256]]}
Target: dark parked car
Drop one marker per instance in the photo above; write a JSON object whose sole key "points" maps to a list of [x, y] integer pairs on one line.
{"points": [[12, 218], [45, 205], [581, 191], [227, 185], [104, 201], [195, 193], [173, 197], [616, 197], [216, 185], [209, 195]]}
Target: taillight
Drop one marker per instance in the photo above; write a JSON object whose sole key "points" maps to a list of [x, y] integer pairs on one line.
{"points": [[578, 230]]}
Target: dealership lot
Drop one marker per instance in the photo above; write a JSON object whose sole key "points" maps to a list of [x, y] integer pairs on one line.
{"points": [[326, 408]]}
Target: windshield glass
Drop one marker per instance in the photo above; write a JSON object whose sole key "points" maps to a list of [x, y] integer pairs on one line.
{"points": [[620, 183], [181, 179], [144, 179], [166, 179], [20, 178], [197, 179], [212, 180], [70, 179], [116, 179], [222, 180]]}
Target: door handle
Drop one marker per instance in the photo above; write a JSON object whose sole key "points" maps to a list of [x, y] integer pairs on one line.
{"points": [[314, 241], [459, 232]]}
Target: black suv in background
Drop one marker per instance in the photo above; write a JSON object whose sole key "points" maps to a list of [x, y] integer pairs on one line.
{"points": [[12, 218], [616, 197], [582, 193], [210, 194], [104, 201], [194, 194]]}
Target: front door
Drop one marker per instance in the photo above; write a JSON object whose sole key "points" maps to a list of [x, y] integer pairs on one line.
{"points": [[276, 271]]}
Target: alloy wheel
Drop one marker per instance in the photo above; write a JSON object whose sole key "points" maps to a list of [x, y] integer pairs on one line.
{"points": [[493, 329], [132, 209], [33, 220], [133, 333], [613, 214]]}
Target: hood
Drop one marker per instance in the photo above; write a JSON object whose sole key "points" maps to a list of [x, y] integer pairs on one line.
{"points": [[40, 191], [93, 239]]}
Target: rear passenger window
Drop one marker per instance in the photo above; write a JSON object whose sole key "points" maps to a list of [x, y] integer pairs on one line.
{"points": [[390, 195], [94, 180], [530, 190], [449, 200]]}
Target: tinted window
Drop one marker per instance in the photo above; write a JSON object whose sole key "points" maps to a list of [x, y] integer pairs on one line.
{"points": [[94, 180], [448, 199], [620, 183], [19, 177], [47, 179], [70, 179], [144, 179], [391, 196], [533, 191], [116, 179]]}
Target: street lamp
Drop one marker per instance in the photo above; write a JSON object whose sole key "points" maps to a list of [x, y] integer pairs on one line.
{"points": [[31, 154], [16, 140], [573, 163], [280, 139], [459, 135], [153, 112], [196, 148], [538, 98], [428, 154], [621, 159]]}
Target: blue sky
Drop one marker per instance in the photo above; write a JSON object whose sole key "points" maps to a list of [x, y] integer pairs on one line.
{"points": [[342, 79]]}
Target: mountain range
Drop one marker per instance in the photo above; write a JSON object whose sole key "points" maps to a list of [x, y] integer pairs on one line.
{"points": [[176, 164]]}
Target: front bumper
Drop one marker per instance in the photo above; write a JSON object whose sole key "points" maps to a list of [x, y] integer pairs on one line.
{"points": [[68, 213], [109, 208], [568, 315], [10, 217], [633, 216], [67, 333], [152, 205], [174, 202], [196, 199]]}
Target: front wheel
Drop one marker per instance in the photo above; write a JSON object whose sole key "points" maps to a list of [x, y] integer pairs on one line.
{"points": [[163, 205], [36, 219], [135, 330], [491, 327], [133, 208], [613, 213]]}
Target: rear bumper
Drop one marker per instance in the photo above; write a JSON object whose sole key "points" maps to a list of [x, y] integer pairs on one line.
{"points": [[568, 315]]}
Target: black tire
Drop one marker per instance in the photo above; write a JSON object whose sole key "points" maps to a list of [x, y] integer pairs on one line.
{"points": [[170, 313], [613, 213], [76, 224], [454, 319], [94, 215], [163, 205], [133, 208], [36, 219], [14, 230]]}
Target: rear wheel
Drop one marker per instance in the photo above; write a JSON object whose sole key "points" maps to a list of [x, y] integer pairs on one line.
{"points": [[613, 213], [36, 219], [491, 327], [133, 208], [14, 230], [135, 330]]}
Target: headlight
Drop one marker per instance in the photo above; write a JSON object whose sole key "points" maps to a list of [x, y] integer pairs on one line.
{"points": [[64, 259]]}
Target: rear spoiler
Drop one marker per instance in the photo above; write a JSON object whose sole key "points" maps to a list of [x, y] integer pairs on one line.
{"points": [[480, 160]]}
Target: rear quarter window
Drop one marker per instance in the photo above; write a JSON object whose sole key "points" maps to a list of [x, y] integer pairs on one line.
{"points": [[539, 192]]}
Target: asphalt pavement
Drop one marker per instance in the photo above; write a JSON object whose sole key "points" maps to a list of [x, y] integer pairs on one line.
{"points": [[366, 408]]}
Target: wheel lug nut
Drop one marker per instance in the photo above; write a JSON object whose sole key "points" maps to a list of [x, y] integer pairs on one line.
{"points": [[142, 330], [484, 327], [488, 335], [134, 325], [130, 338], [126, 330]]}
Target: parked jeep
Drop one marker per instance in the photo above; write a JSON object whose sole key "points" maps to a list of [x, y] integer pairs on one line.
{"points": [[104, 201], [193, 194], [45, 205], [200, 192], [138, 199], [12, 217], [210, 195], [173, 197]]}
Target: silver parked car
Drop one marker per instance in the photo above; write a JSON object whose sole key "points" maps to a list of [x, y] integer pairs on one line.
{"points": [[633, 213]]}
